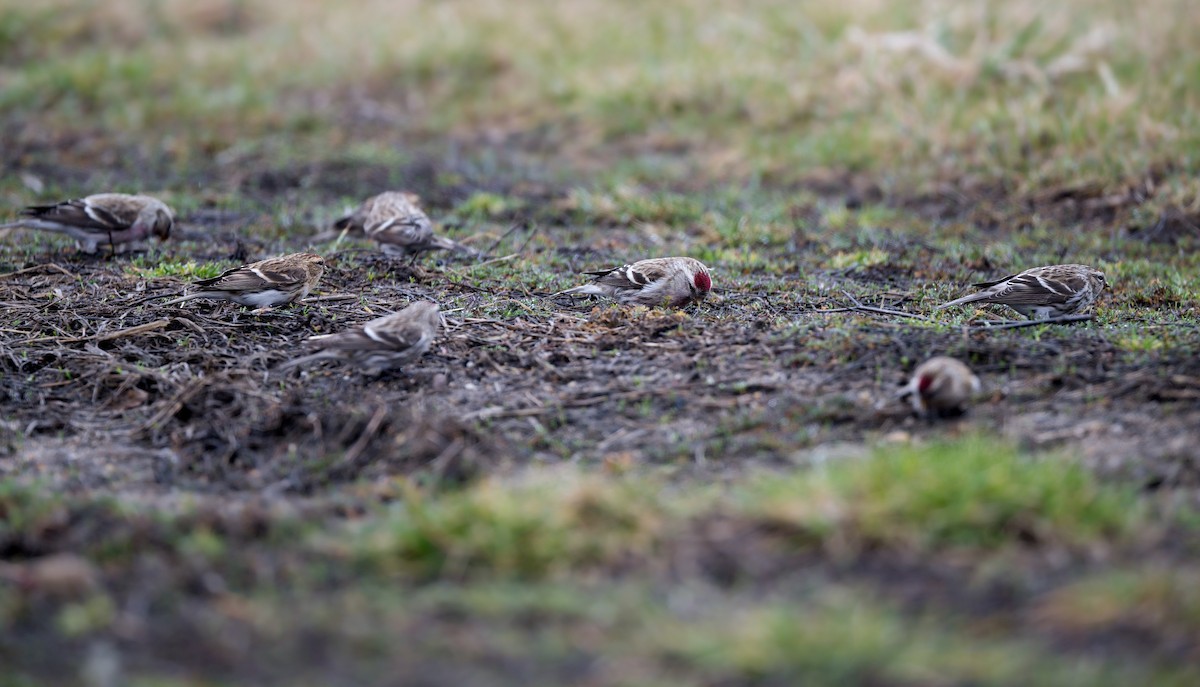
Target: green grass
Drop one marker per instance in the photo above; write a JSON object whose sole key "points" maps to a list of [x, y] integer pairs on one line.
{"points": [[183, 269], [1008, 93], [974, 493], [501, 531]]}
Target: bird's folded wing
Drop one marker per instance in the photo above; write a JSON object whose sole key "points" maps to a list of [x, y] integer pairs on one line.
{"points": [[627, 277], [84, 215], [397, 337], [252, 278], [374, 337], [1034, 290]]}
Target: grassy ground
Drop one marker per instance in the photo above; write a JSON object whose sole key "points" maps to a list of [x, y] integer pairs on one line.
{"points": [[577, 493]]}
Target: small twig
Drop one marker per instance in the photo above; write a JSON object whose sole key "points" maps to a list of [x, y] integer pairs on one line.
{"points": [[49, 265], [506, 234], [485, 262], [533, 232], [1065, 319], [369, 431], [330, 297], [131, 331], [859, 307]]}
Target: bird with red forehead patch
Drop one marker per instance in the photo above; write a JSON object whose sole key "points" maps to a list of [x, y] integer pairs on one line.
{"points": [[673, 282], [941, 387]]}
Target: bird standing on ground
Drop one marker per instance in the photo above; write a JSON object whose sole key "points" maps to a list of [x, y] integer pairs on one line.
{"points": [[941, 387], [263, 284], [1041, 292], [395, 222], [382, 343], [673, 282], [116, 219]]}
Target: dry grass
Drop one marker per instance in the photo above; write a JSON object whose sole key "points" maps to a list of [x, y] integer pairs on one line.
{"points": [[1078, 92]]}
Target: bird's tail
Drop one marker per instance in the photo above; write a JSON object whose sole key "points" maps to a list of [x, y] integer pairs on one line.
{"points": [[319, 355], [344, 222], [973, 298], [585, 290], [450, 244], [185, 297]]}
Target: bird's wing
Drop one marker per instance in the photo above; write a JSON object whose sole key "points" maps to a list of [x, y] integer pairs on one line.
{"points": [[376, 335], [252, 277], [1035, 289], [401, 231], [85, 214], [636, 276]]}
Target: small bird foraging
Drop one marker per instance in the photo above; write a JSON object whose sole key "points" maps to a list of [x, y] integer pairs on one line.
{"points": [[117, 219], [941, 387], [263, 284], [396, 222], [1041, 292], [673, 282], [383, 343]]}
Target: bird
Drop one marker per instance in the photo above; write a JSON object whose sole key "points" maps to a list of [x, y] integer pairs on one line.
{"points": [[382, 343], [263, 284], [673, 282], [117, 219], [394, 220], [941, 387], [1041, 292]]}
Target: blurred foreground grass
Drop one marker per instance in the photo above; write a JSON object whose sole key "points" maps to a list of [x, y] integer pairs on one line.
{"points": [[633, 580]]}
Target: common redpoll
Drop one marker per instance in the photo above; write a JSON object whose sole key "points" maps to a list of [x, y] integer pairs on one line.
{"points": [[382, 343], [941, 386], [673, 282], [395, 221], [263, 284], [1041, 292], [115, 219]]}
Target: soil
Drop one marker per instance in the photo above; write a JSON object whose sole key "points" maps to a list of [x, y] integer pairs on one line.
{"points": [[104, 392]]}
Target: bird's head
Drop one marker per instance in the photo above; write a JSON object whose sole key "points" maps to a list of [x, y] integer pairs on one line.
{"points": [[426, 312], [925, 383], [1096, 280], [158, 219], [313, 263], [700, 284]]}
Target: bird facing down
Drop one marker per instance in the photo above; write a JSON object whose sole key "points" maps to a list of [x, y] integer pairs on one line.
{"points": [[382, 343], [395, 222], [116, 219], [673, 282], [941, 387], [1041, 292], [263, 284]]}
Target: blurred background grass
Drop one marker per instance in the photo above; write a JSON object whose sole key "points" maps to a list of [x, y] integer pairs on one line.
{"points": [[916, 93]]}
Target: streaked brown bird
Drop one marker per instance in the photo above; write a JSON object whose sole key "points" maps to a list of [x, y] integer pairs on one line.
{"points": [[396, 223], [263, 284], [941, 387], [117, 219], [673, 282], [1041, 292], [383, 343]]}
